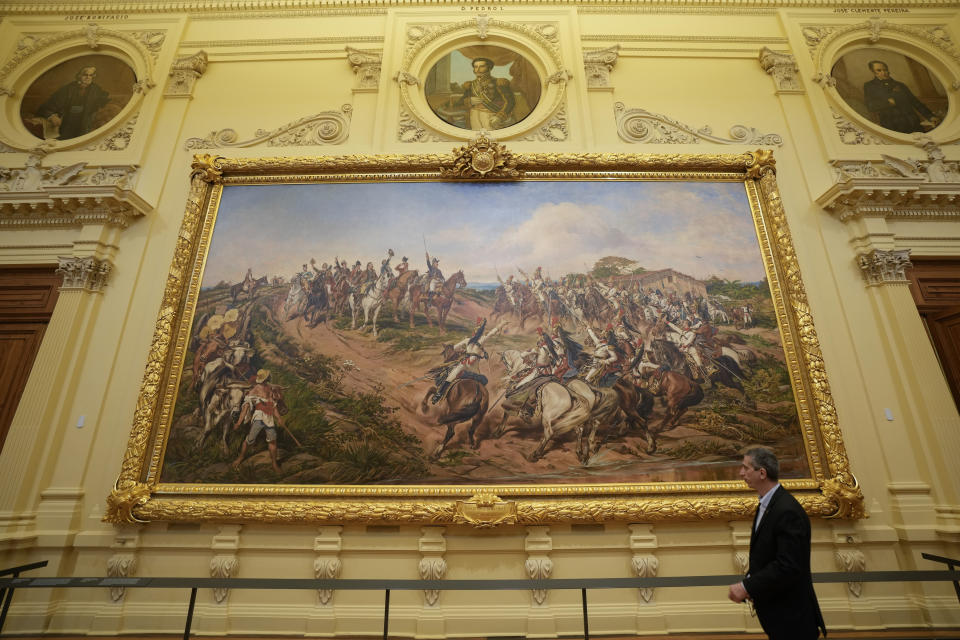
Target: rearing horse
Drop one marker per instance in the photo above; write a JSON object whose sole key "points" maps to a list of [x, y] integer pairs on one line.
{"points": [[443, 299]]}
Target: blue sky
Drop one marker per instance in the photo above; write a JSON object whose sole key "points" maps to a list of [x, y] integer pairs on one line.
{"points": [[700, 229]]}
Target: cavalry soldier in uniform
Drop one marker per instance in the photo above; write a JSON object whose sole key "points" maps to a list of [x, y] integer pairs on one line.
{"points": [[471, 352], [434, 275], [605, 356], [403, 266]]}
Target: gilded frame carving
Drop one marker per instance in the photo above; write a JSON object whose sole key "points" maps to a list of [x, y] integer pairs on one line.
{"points": [[831, 491]]}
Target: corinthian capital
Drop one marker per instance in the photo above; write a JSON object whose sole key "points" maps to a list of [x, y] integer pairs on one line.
{"points": [[89, 274], [880, 267]]}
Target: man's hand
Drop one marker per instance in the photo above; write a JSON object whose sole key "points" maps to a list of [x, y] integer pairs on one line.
{"points": [[737, 593], [55, 120]]}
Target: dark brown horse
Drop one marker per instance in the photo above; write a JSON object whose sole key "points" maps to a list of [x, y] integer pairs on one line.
{"points": [[678, 393], [442, 299], [467, 399]]}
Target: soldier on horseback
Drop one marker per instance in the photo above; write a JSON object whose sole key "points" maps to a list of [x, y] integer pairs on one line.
{"points": [[434, 275], [605, 356], [465, 354]]}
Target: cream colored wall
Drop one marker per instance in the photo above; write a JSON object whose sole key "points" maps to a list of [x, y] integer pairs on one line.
{"points": [[698, 67]]}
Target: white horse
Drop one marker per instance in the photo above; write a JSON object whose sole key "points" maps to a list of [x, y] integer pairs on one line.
{"points": [[371, 303], [560, 409]]}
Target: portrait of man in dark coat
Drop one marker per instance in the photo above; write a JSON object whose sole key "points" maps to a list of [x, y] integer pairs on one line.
{"points": [[892, 103], [71, 110]]}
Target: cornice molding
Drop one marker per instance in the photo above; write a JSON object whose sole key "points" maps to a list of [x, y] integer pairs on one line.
{"points": [[280, 7], [895, 188], [58, 196]]}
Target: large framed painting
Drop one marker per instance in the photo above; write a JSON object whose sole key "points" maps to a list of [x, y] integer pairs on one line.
{"points": [[481, 338]]}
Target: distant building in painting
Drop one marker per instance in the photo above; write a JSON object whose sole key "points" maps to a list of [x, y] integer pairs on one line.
{"points": [[664, 280]]}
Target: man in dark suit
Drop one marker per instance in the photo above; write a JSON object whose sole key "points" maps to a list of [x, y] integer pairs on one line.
{"points": [[778, 581]]}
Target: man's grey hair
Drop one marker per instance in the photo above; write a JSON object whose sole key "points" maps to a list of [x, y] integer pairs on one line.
{"points": [[764, 458]]}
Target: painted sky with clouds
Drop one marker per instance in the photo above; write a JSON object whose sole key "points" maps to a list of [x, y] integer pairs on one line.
{"points": [[700, 229]]}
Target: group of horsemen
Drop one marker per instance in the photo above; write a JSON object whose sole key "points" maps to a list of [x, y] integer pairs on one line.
{"points": [[356, 280], [619, 350]]}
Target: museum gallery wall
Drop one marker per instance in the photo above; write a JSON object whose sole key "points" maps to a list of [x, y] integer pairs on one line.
{"points": [[475, 292]]}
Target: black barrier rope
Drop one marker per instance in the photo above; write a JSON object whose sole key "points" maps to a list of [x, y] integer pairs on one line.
{"points": [[9, 584]]}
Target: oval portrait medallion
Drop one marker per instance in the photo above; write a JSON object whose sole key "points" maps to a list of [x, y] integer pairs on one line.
{"points": [[483, 87], [77, 96], [890, 89]]}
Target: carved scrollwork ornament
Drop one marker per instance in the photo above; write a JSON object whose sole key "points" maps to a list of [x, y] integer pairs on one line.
{"points": [[122, 501], [881, 267], [761, 163], [207, 167], [847, 497], [483, 158]]}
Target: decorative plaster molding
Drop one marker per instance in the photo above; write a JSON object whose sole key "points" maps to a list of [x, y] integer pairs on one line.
{"points": [[327, 564], [645, 127], [184, 73], [152, 41], [782, 67], [538, 544], [882, 267], [645, 565], [86, 274], [279, 42], [120, 565], [820, 37], [410, 130], [598, 65], [405, 78], [119, 140], [483, 25], [851, 561], [366, 67], [58, 196], [893, 187], [432, 565], [225, 564], [327, 127], [549, 31], [741, 562], [852, 134], [94, 35], [555, 130]]}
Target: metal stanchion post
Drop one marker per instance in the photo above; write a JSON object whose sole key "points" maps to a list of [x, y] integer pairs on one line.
{"points": [[586, 622], [193, 601], [386, 613], [7, 597]]}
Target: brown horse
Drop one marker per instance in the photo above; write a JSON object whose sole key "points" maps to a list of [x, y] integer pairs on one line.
{"points": [[442, 299], [528, 303], [397, 292], [467, 399], [678, 393]]}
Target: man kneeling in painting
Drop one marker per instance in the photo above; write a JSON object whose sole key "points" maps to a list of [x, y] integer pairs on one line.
{"points": [[263, 401]]}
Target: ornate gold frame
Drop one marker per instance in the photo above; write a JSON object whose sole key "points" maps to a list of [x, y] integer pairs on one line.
{"points": [[831, 492]]}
